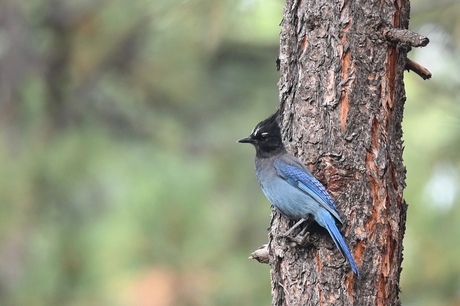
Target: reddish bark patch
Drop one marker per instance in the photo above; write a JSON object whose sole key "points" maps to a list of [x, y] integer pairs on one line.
{"points": [[344, 108], [346, 66], [319, 264], [304, 44], [381, 291], [374, 217], [397, 17], [391, 75], [321, 296], [375, 134], [349, 285], [372, 172], [345, 96], [358, 251]]}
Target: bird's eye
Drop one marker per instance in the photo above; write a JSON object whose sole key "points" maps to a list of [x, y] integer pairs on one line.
{"points": [[264, 135]]}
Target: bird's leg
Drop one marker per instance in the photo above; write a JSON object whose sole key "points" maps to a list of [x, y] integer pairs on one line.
{"points": [[303, 238], [289, 231]]}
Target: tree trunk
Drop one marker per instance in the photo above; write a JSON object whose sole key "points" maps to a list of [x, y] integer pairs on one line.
{"points": [[342, 98]]}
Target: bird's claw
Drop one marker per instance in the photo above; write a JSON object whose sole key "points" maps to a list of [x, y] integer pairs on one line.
{"points": [[303, 238]]}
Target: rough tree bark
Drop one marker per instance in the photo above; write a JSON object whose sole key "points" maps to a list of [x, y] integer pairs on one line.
{"points": [[342, 97]]}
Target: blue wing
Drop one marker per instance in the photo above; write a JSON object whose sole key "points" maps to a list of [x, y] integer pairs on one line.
{"points": [[296, 174]]}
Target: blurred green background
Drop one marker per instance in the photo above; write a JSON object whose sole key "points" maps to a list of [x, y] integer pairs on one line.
{"points": [[121, 182]]}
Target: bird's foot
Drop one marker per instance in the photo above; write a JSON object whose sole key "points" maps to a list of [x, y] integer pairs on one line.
{"points": [[303, 238]]}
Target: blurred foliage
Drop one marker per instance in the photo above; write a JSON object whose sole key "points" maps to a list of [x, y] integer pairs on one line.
{"points": [[122, 183], [431, 269]]}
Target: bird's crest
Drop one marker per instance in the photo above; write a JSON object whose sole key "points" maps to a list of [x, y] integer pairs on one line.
{"points": [[267, 126]]}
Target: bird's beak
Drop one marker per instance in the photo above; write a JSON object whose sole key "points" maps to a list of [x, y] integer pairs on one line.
{"points": [[248, 139]]}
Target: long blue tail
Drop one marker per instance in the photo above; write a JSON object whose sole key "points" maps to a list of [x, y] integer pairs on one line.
{"points": [[329, 223]]}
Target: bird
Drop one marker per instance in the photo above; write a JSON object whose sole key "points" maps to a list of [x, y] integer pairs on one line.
{"points": [[289, 185]]}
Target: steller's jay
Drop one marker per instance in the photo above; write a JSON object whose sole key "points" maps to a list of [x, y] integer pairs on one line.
{"points": [[290, 186]]}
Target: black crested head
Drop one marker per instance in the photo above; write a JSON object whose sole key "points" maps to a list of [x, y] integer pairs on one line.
{"points": [[266, 137]]}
